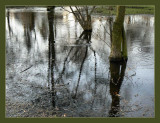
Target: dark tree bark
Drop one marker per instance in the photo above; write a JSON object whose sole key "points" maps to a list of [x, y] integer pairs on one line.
{"points": [[51, 53]]}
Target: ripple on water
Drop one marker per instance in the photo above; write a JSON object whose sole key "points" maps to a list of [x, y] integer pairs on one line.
{"points": [[144, 55]]}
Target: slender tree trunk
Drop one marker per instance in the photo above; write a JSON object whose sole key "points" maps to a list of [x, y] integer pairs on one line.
{"points": [[52, 52], [119, 46]]}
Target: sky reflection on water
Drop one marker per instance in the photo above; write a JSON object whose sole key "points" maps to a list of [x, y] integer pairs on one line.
{"points": [[82, 72]]}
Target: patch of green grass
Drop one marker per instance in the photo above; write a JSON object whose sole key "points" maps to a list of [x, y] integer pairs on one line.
{"points": [[105, 10], [140, 10], [129, 10]]}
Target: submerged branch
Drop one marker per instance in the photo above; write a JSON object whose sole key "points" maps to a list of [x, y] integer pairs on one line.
{"points": [[26, 69]]}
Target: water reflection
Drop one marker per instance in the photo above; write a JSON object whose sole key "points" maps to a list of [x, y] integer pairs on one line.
{"points": [[73, 64], [28, 25], [117, 71]]}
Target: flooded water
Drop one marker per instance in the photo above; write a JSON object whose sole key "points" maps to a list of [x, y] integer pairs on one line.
{"points": [[54, 69]]}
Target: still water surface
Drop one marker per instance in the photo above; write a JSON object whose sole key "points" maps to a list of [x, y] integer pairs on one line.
{"points": [[73, 75]]}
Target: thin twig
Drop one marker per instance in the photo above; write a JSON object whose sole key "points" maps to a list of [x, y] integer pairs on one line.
{"points": [[66, 10], [26, 69]]}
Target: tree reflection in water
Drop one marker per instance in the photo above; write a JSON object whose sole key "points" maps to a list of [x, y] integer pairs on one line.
{"points": [[117, 71], [77, 70], [85, 36], [28, 21]]}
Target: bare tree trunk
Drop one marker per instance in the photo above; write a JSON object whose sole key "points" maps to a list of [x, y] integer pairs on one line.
{"points": [[51, 53], [119, 46]]}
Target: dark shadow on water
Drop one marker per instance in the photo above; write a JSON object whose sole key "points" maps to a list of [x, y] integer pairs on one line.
{"points": [[117, 71]]}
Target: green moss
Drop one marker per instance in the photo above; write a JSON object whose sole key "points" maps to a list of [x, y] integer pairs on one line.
{"points": [[124, 45], [119, 53]]}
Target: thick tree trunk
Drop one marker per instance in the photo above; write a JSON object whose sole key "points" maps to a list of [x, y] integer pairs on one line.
{"points": [[118, 47]]}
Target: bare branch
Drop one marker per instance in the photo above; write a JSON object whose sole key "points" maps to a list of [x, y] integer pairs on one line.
{"points": [[92, 10], [77, 17], [66, 9], [80, 13]]}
